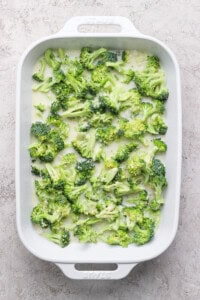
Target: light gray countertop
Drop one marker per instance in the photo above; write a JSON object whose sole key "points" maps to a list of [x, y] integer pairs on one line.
{"points": [[175, 274]]}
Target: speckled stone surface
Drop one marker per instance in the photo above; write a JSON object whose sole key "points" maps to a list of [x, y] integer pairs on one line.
{"points": [[176, 273]]}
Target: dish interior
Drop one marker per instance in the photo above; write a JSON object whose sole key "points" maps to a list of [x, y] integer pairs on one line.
{"points": [[99, 252]]}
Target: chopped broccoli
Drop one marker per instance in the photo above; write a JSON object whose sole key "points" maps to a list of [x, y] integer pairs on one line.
{"points": [[45, 86], [108, 134], [153, 62], [101, 75], [134, 129], [131, 100], [123, 151], [85, 165], [134, 214], [84, 144], [151, 81], [85, 206], [40, 130], [40, 107], [47, 214], [51, 59], [126, 56], [136, 165], [108, 56], [62, 238], [86, 188], [85, 233], [160, 146], [143, 232], [140, 200], [68, 159], [156, 125], [78, 85], [119, 237], [88, 57], [39, 76], [99, 119]]}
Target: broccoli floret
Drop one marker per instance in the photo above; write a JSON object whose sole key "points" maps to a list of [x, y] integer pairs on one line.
{"points": [[148, 109], [107, 134], [44, 190], [85, 233], [80, 110], [100, 75], [42, 151], [62, 238], [118, 66], [51, 59], [110, 163], [156, 125], [126, 56], [84, 125], [153, 62], [123, 151], [143, 232], [107, 175], [160, 146], [50, 142], [136, 165], [129, 75], [59, 76], [62, 54], [78, 84], [39, 75], [85, 165], [134, 129], [151, 83], [62, 91], [85, 206], [45, 86], [56, 140], [88, 57], [35, 170], [75, 68], [40, 130], [122, 188], [134, 214], [157, 181], [84, 144], [108, 56], [55, 107], [57, 177], [73, 192], [99, 119], [84, 171], [97, 105], [59, 125], [119, 237], [111, 103], [68, 159], [131, 100], [40, 107], [156, 204], [48, 214], [107, 209], [140, 200]]}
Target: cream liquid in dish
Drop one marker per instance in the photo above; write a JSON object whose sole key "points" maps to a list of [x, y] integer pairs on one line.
{"points": [[97, 144]]}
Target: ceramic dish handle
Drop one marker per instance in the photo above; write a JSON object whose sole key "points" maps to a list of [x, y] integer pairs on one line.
{"points": [[72, 26], [122, 271]]}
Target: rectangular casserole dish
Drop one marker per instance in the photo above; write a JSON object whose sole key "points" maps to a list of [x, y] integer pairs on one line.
{"points": [[126, 258]]}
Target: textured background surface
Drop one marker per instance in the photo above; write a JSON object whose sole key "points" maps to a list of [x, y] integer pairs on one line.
{"points": [[175, 274]]}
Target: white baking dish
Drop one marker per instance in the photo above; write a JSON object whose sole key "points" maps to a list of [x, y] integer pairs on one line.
{"points": [[126, 258]]}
